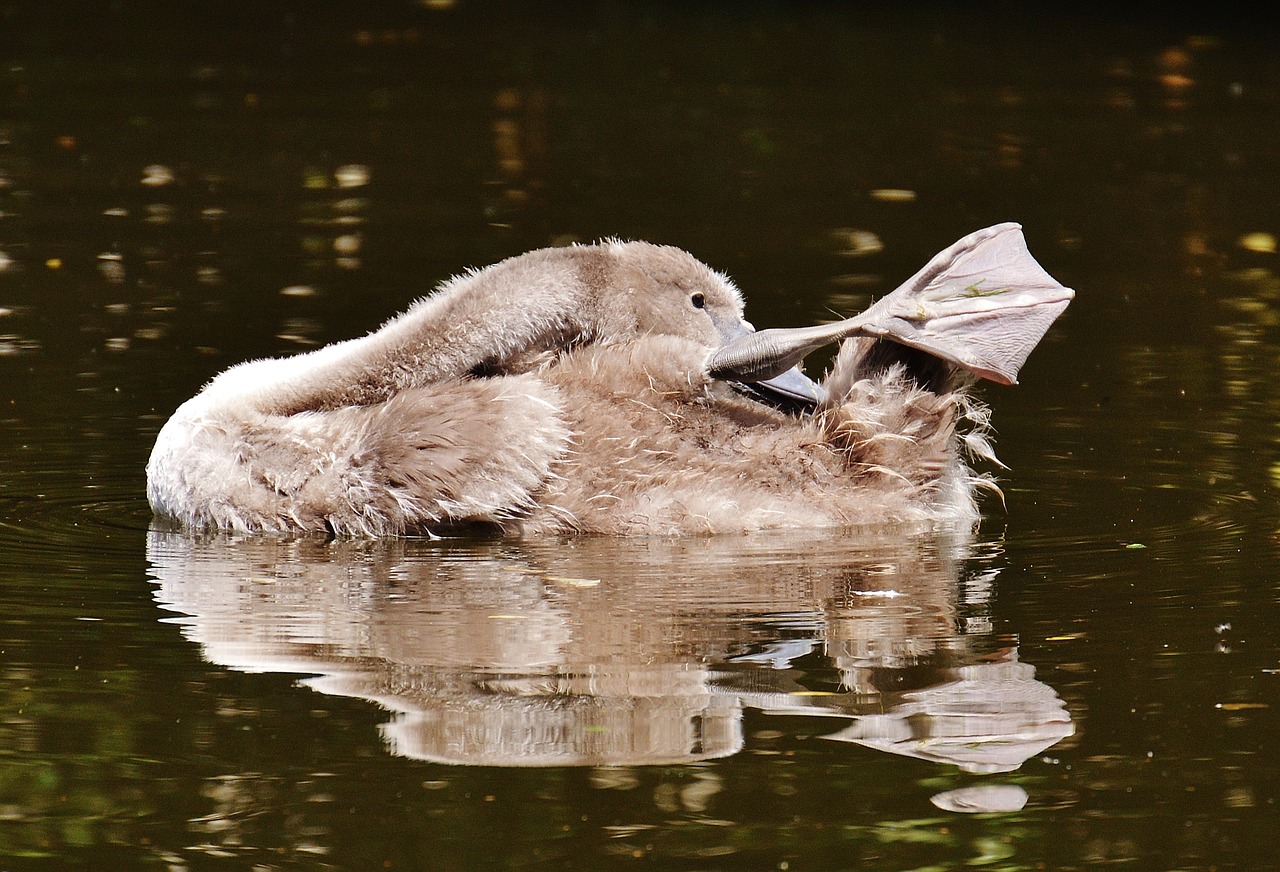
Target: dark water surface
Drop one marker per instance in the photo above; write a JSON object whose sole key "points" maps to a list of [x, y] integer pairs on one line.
{"points": [[1090, 679]]}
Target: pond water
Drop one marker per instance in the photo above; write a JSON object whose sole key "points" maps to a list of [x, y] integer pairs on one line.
{"points": [[1089, 678]]}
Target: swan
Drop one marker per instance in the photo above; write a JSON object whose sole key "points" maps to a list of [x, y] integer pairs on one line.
{"points": [[615, 388]]}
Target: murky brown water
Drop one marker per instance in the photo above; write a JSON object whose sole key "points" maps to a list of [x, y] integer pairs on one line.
{"points": [[1090, 679]]}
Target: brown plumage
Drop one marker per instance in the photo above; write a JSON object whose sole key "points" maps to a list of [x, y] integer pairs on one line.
{"points": [[601, 389]]}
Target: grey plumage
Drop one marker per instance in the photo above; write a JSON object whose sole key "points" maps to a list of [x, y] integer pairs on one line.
{"points": [[571, 390]]}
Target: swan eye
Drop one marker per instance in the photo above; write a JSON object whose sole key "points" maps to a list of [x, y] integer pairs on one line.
{"points": [[699, 301]]}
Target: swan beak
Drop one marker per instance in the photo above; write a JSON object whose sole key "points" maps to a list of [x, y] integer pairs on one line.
{"points": [[791, 387], [767, 375]]}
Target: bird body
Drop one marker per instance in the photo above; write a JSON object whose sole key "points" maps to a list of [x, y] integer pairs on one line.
{"points": [[610, 389]]}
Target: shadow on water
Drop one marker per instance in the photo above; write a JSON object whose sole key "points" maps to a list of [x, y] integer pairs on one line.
{"points": [[605, 653]]}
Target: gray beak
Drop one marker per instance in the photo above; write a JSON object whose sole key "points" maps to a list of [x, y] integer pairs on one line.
{"points": [[789, 387], [793, 386]]}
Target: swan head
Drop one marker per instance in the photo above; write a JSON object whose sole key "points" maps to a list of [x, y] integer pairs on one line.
{"points": [[665, 290]]}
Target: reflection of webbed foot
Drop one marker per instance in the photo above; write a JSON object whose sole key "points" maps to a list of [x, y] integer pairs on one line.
{"points": [[778, 654]]}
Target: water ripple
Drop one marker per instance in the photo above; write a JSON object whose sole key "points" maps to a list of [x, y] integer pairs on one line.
{"points": [[48, 525]]}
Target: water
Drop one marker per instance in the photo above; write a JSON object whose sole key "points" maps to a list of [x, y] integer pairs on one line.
{"points": [[1090, 678]]}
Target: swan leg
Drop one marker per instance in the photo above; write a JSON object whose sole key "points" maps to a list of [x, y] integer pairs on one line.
{"points": [[982, 304]]}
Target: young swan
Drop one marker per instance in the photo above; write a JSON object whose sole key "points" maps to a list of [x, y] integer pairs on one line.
{"points": [[613, 388]]}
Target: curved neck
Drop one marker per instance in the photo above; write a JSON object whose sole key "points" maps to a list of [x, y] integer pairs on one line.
{"points": [[484, 319]]}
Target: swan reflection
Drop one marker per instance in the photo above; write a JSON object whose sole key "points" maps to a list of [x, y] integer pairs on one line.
{"points": [[607, 652]]}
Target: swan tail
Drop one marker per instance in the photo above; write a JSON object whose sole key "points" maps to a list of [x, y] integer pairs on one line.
{"points": [[899, 412], [887, 423]]}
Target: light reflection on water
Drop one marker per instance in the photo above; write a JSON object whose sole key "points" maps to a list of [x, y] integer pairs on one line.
{"points": [[599, 652]]}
